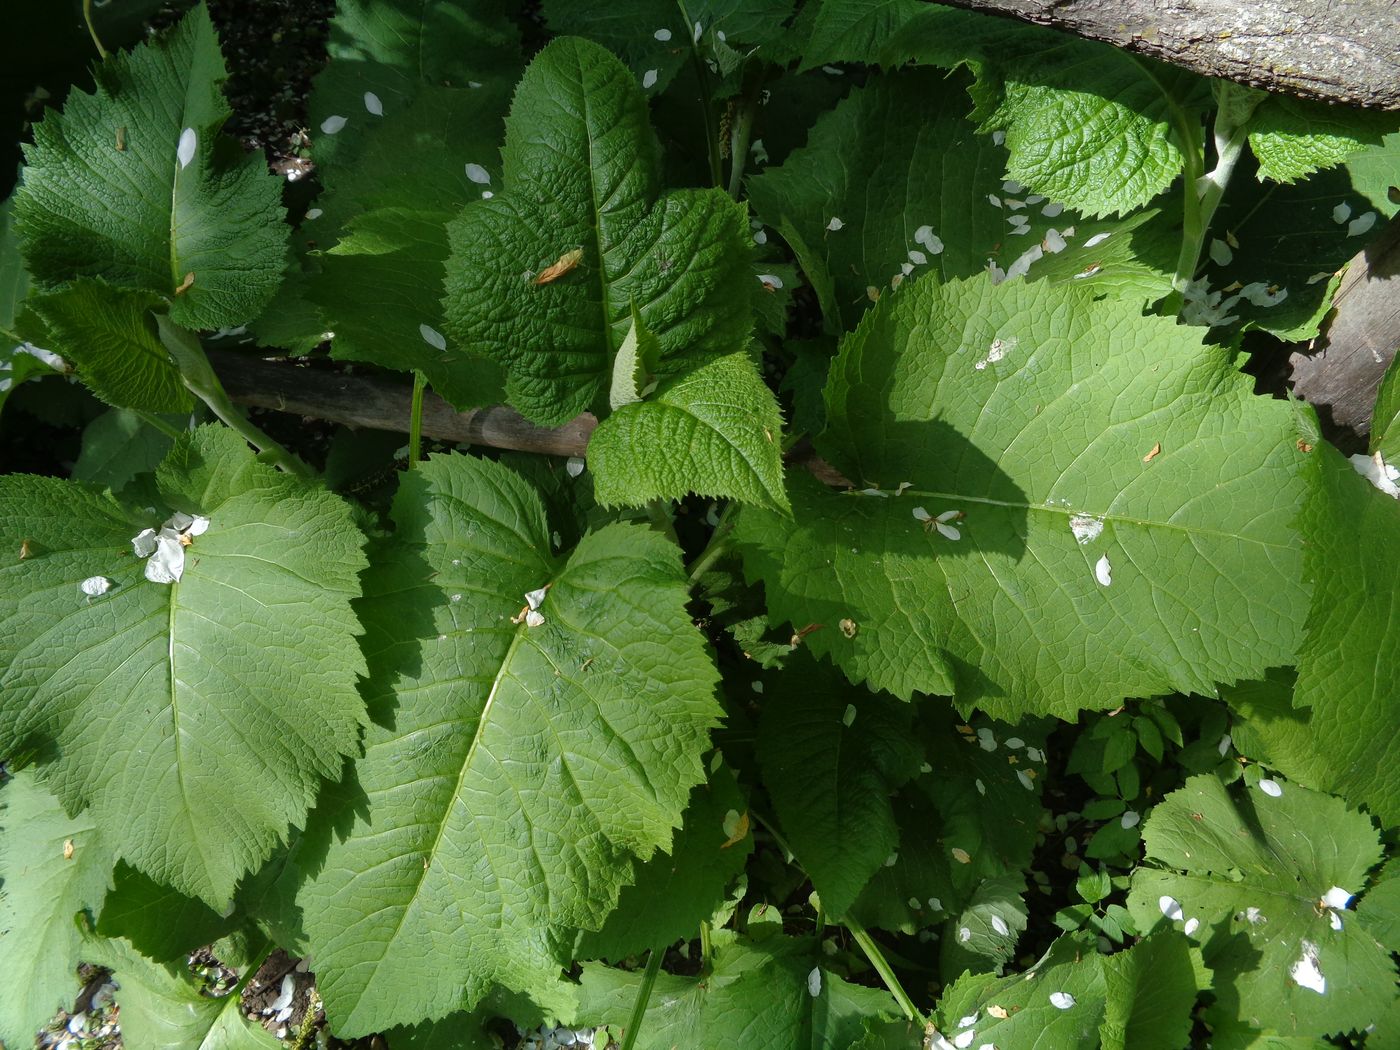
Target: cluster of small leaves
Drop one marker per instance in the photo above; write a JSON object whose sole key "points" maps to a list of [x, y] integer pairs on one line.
{"points": [[1052, 708]]}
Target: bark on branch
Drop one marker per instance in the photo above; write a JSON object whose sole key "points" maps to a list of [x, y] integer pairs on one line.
{"points": [[1334, 50], [381, 403]]}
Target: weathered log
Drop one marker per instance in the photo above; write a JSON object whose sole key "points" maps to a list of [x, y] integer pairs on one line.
{"points": [[382, 403], [1338, 52], [1340, 371]]}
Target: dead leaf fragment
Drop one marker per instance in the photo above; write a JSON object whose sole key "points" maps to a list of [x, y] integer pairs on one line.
{"points": [[1156, 451], [185, 284], [1303, 446], [741, 831], [961, 855], [121, 140], [25, 550], [67, 849], [849, 628], [999, 1012], [566, 262], [802, 633]]}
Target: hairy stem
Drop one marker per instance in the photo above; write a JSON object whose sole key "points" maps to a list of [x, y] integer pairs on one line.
{"points": [[639, 1008], [882, 967], [715, 549], [707, 108], [742, 129], [415, 420], [92, 29], [198, 376]]}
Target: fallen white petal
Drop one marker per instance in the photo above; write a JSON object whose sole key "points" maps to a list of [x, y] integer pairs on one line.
{"points": [[948, 531], [1025, 779], [432, 337], [1052, 209], [649, 78], [143, 544], [1130, 819], [1335, 920], [1192, 925], [1086, 527], [478, 174], [167, 563], [1061, 1000], [1337, 898], [964, 935], [533, 618], [535, 597], [1170, 907], [920, 514], [95, 585], [1271, 788], [185, 150], [1103, 571], [917, 257], [999, 924], [574, 466], [850, 715], [333, 124], [662, 34], [1053, 241], [1361, 224], [373, 104], [835, 224], [1341, 213], [1097, 238], [964, 1039], [1220, 252], [1306, 973], [771, 280], [814, 982]]}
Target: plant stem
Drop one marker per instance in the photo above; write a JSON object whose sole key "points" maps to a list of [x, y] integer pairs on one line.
{"points": [[702, 78], [877, 960], [198, 375], [156, 423], [639, 1008], [706, 947], [742, 130], [92, 29], [715, 549], [415, 419]]}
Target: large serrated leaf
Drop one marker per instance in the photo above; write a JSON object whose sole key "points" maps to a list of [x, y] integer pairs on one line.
{"points": [[1250, 872], [199, 717], [52, 866], [1294, 137], [895, 183], [715, 430], [516, 766], [132, 184], [542, 277], [1044, 418]]}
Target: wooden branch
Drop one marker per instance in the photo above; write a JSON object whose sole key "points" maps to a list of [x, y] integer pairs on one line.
{"points": [[1334, 50], [1340, 371], [380, 403]]}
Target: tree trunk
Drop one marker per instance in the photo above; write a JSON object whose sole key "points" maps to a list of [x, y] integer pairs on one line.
{"points": [[1334, 50]]}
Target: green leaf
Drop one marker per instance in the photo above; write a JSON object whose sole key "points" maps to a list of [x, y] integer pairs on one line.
{"points": [[1351, 655], [1086, 123], [914, 191], [582, 211], [179, 680], [832, 757], [1385, 419], [14, 279], [117, 446], [1376, 171], [106, 194], [1073, 997], [160, 923], [162, 1009], [982, 935], [634, 368], [677, 890], [1033, 411], [24, 362], [52, 866], [714, 430], [771, 995], [1379, 910], [1294, 137], [1288, 242], [108, 334], [385, 54], [654, 38], [514, 769], [1249, 870], [856, 30]]}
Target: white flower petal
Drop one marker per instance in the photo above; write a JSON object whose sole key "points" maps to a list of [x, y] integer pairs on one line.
{"points": [[649, 78], [95, 585], [1341, 213], [143, 544], [535, 597], [1192, 925], [333, 124], [835, 224], [1337, 898], [373, 104], [662, 34], [999, 924], [1361, 224], [167, 563], [432, 337], [533, 618], [949, 531], [1306, 973], [184, 152], [478, 174], [1061, 1000], [1271, 788], [1103, 571], [814, 982], [964, 1039], [1170, 907], [574, 466], [1130, 819]]}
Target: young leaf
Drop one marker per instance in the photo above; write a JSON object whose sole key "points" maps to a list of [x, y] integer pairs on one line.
{"points": [[1021, 415], [160, 923], [582, 175], [52, 867], [917, 191], [108, 334], [177, 679], [714, 430], [1250, 876], [677, 890], [525, 749], [1385, 418], [14, 279], [117, 446], [175, 211], [832, 757], [634, 368], [769, 995]]}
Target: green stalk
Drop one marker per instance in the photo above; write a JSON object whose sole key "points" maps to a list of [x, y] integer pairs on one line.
{"points": [[702, 78], [715, 549], [877, 960], [156, 423], [415, 420], [740, 133], [706, 946], [198, 376], [92, 29], [639, 1008]]}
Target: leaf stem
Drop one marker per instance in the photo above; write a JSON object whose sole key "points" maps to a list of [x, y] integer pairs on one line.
{"points": [[742, 130], [715, 549], [882, 967], [639, 1007], [156, 423], [92, 29], [706, 944], [415, 419], [198, 375], [702, 78]]}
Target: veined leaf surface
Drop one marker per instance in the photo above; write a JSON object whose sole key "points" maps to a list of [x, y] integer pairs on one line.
{"points": [[132, 184], [515, 768], [1084, 568], [166, 708], [543, 277]]}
